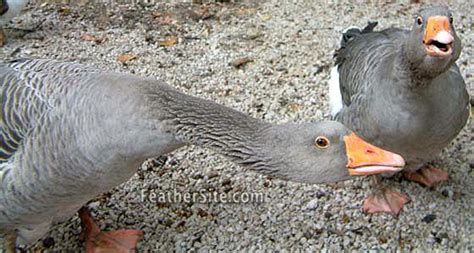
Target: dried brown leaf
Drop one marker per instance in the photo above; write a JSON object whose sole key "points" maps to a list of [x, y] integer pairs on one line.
{"points": [[89, 37], [64, 10], [170, 41], [241, 61], [265, 17], [163, 18], [126, 57], [203, 13], [295, 107], [346, 219], [246, 11]]}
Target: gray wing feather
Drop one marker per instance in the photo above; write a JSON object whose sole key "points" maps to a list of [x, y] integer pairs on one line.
{"points": [[28, 90], [358, 59]]}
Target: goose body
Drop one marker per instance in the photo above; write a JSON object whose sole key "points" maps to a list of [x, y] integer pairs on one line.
{"points": [[401, 89], [71, 132], [57, 151], [380, 102]]}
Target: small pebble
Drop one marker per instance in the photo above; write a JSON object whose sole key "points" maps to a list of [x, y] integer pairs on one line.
{"points": [[313, 204]]}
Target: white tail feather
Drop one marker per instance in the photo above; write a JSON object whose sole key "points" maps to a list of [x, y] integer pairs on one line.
{"points": [[335, 98], [350, 27]]}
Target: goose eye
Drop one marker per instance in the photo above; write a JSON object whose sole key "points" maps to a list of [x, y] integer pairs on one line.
{"points": [[419, 20], [450, 19], [322, 142]]}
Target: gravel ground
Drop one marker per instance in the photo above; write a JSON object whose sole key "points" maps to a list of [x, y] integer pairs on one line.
{"points": [[270, 60]]}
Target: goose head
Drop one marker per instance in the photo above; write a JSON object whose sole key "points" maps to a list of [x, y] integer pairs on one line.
{"points": [[433, 45], [323, 152]]}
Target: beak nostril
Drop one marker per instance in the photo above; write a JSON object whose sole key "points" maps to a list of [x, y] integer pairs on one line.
{"points": [[369, 151]]}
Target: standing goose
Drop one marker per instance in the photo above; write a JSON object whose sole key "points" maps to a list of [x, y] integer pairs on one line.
{"points": [[8, 10], [70, 133], [401, 90]]}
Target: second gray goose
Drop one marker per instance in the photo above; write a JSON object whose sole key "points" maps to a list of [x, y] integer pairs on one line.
{"points": [[402, 90]]}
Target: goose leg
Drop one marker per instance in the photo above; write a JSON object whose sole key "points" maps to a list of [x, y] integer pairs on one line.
{"points": [[384, 199], [111, 241], [3, 38], [427, 175], [10, 243]]}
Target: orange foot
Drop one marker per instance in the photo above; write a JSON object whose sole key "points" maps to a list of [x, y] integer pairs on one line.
{"points": [[385, 200], [3, 38], [112, 241], [428, 176]]}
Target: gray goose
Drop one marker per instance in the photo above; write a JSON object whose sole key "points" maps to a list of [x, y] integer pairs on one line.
{"points": [[70, 133], [8, 10], [402, 90]]}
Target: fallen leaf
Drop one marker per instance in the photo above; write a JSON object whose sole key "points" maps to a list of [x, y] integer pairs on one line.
{"points": [[170, 41], [157, 14], [401, 243], [203, 13], [88, 37], [163, 18], [126, 57], [346, 219], [64, 10], [295, 107], [265, 17], [241, 61], [246, 11]]}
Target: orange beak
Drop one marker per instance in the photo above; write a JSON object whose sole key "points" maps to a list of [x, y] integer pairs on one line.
{"points": [[365, 159], [438, 37]]}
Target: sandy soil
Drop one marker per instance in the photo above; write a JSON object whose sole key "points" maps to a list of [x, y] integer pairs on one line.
{"points": [[270, 60]]}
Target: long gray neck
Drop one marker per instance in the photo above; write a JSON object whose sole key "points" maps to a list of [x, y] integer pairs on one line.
{"points": [[205, 123], [413, 64], [405, 68]]}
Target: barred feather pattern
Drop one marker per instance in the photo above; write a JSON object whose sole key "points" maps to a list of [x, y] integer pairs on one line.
{"points": [[30, 91], [60, 147], [27, 94]]}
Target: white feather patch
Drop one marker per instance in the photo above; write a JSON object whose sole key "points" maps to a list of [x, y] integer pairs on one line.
{"points": [[350, 27], [335, 98]]}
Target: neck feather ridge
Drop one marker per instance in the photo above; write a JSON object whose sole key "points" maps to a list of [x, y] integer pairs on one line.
{"points": [[202, 122]]}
